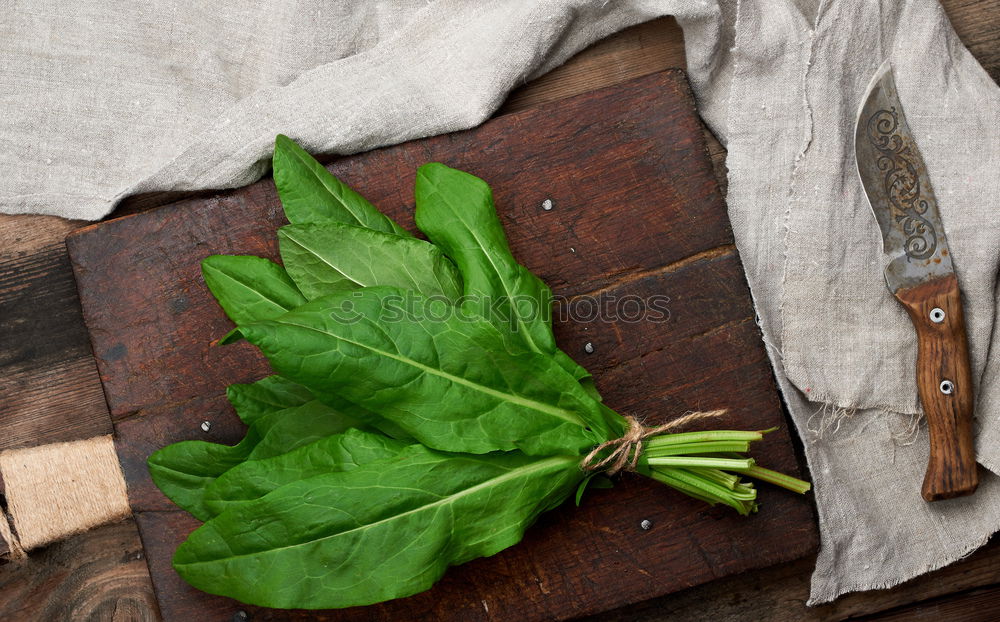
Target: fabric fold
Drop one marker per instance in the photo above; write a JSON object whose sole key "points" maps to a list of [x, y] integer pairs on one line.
{"points": [[812, 255], [846, 340]]}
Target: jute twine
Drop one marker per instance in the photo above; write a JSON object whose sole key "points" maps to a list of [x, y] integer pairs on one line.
{"points": [[54, 491], [625, 451]]}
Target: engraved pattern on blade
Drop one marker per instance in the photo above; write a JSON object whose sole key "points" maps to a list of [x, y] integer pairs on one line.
{"points": [[902, 183], [899, 190]]}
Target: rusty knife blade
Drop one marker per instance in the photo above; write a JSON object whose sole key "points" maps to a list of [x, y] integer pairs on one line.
{"points": [[898, 188]]}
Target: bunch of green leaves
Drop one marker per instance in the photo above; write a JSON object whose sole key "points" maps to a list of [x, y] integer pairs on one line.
{"points": [[391, 444]]}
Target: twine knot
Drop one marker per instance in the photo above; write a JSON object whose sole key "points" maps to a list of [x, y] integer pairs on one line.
{"points": [[625, 451]]}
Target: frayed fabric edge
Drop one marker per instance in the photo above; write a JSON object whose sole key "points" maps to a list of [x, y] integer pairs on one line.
{"points": [[817, 597], [828, 419]]}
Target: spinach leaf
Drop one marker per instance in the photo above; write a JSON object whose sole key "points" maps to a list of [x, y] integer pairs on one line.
{"points": [[445, 378], [309, 193], [249, 288], [289, 429], [183, 470], [379, 531], [274, 393], [363, 416], [324, 258], [339, 452], [456, 212], [267, 395]]}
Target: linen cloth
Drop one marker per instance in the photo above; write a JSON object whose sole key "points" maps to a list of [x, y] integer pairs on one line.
{"points": [[100, 102]]}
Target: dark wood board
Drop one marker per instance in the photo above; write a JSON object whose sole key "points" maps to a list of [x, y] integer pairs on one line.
{"points": [[100, 578], [636, 212]]}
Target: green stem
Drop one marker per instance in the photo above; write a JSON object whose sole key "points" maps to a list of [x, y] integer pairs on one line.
{"points": [[743, 493], [665, 477], [695, 461], [740, 502], [708, 447], [778, 479], [708, 465], [700, 437], [722, 478]]}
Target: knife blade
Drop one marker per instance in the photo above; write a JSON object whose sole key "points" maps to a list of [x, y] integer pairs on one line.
{"points": [[921, 275]]}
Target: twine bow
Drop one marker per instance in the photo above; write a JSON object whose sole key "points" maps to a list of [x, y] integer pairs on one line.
{"points": [[625, 451]]}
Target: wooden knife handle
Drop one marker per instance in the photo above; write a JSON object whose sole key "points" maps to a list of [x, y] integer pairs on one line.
{"points": [[944, 382]]}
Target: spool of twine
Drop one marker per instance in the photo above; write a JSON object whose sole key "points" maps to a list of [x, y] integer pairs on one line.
{"points": [[625, 451], [57, 490]]}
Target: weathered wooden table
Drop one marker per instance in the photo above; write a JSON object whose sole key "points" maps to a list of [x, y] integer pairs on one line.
{"points": [[49, 391]]}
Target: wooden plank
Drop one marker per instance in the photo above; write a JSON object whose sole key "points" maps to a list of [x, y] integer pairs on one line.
{"points": [[636, 213], [49, 385], [101, 575], [634, 52], [977, 23], [58, 402], [973, 606], [779, 594]]}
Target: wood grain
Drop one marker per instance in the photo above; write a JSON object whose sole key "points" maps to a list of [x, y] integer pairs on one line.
{"points": [[636, 215], [49, 386], [99, 576], [972, 606], [637, 51], [977, 23], [779, 594], [943, 357]]}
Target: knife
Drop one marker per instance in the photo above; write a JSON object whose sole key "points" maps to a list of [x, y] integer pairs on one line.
{"points": [[921, 276]]}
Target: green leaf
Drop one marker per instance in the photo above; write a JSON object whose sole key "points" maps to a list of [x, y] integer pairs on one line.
{"points": [[267, 395], [380, 531], [340, 452], [183, 470], [289, 429], [583, 376], [249, 288], [325, 258], [445, 378], [363, 416], [274, 393], [309, 193], [455, 210]]}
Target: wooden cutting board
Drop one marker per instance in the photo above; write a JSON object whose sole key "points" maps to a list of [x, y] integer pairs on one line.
{"points": [[635, 212]]}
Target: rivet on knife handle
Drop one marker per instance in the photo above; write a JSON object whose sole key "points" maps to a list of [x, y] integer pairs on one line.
{"points": [[921, 275], [944, 383]]}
